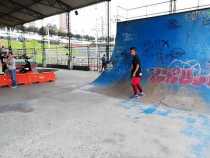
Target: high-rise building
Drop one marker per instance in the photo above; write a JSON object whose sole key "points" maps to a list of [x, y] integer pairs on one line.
{"points": [[63, 22]]}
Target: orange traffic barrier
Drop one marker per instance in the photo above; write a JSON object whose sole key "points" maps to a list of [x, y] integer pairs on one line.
{"points": [[33, 77], [49, 76], [42, 78], [4, 80], [28, 78], [23, 79]]}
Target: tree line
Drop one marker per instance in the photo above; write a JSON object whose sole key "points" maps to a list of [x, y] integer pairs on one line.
{"points": [[53, 30]]}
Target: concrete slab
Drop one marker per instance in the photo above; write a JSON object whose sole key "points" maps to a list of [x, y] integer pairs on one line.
{"points": [[67, 120]]}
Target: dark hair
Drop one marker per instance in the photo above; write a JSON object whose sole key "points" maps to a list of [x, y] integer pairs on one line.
{"points": [[10, 52], [133, 48]]}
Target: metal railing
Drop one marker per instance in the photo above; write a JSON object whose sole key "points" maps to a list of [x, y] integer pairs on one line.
{"points": [[151, 10]]}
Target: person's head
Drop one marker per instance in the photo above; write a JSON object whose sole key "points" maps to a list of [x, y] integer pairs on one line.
{"points": [[10, 54], [104, 55], [133, 51]]}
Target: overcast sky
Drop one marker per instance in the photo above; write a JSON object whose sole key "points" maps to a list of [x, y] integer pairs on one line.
{"points": [[92, 19]]}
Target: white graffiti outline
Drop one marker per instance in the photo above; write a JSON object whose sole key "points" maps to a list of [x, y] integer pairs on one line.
{"points": [[192, 64], [128, 37]]}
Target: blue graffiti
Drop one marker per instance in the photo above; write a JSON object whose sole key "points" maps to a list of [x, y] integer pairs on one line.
{"points": [[197, 126], [173, 24]]}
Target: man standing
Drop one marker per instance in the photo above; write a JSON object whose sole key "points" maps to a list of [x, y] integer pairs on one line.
{"points": [[104, 63], [12, 68], [3, 56], [136, 73]]}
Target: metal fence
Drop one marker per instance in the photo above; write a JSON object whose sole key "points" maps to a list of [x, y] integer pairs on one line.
{"points": [[84, 56]]}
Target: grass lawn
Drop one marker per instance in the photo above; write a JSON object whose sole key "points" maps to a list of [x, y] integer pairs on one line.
{"points": [[36, 46]]}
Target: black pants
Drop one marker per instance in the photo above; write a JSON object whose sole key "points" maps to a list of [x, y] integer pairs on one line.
{"points": [[4, 67], [103, 66]]}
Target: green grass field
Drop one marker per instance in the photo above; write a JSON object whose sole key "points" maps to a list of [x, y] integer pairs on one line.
{"points": [[36, 46], [29, 44]]}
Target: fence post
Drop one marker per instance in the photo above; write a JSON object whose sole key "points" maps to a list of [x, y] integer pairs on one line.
{"points": [[97, 58], [34, 55], [43, 52], [57, 55], [88, 53]]}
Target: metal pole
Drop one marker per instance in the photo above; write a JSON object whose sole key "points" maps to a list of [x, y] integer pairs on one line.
{"points": [[174, 10], [171, 6], [48, 35], [24, 40], [88, 53], [8, 37], [97, 52], [108, 31], [43, 51], [43, 46], [69, 43]]}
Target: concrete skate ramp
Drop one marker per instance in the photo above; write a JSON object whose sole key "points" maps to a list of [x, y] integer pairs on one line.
{"points": [[175, 55]]}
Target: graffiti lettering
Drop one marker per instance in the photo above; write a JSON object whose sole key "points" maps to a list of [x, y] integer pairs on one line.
{"points": [[173, 24], [178, 75], [206, 21]]}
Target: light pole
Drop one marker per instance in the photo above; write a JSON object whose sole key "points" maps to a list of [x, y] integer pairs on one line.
{"points": [[8, 37], [108, 30], [48, 35], [174, 10], [43, 33], [23, 39], [69, 42]]}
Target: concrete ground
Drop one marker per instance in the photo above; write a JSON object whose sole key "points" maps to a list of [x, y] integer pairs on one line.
{"points": [[66, 120]]}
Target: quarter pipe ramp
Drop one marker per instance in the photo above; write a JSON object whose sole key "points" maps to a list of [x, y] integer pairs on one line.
{"points": [[175, 55]]}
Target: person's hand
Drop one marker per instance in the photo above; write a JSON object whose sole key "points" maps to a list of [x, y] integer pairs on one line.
{"points": [[134, 75]]}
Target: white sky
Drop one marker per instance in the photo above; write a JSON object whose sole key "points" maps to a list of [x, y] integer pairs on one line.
{"points": [[93, 18]]}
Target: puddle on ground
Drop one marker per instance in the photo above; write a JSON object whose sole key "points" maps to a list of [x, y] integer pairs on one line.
{"points": [[23, 107]]}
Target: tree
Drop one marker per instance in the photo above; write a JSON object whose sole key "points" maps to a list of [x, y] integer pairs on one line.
{"points": [[111, 39], [43, 31], [77, 36], [62, 34], [102, 38], [88, 38], [32, 29], [53, 30], [20, 27]]}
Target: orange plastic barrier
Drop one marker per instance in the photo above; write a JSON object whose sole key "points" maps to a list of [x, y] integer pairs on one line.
{"points": [[23, 79], [4, 80], [28, 78], [33, 77]]}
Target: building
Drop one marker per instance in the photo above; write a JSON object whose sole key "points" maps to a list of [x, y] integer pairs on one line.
{"points": [[63, 22]]}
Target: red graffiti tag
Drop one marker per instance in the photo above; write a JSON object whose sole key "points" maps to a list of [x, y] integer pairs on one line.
{"points": [[178, 75]]}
